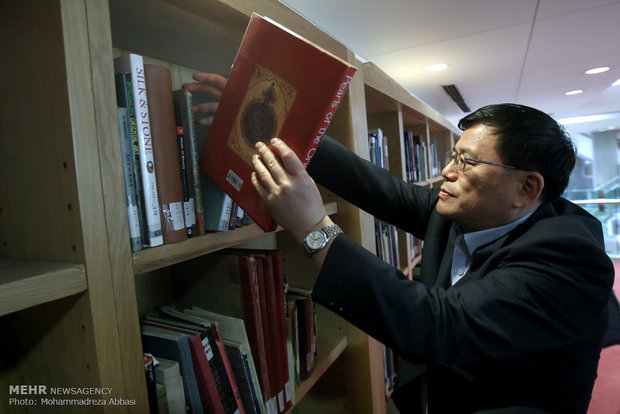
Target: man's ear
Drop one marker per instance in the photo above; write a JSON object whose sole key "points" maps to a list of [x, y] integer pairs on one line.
{"points": [[531, 186]]}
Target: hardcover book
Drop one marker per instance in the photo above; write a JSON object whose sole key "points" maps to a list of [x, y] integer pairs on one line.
{"points": [[175, 345], [281, 85], [165, 152], [185, 119], [134, 65]]}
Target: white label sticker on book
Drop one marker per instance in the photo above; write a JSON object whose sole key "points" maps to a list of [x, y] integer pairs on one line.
{"points": [[134, 221], [234, 180], [288, 388], [177, 216], [272, 406], [190, 216], [207, 348]]}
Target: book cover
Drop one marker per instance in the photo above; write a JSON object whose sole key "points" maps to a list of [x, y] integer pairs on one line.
{"points": [[233, 329], [183, 102], [224, 379], [217, 205], [165, 152], [275, 328], [307, 336], [134, 65], [131, 193], [151, 385], [254, 318], [168, 374], [293, 98], [175, 345], [217, 333], [238, 358], [202, 355], [189, 209]]}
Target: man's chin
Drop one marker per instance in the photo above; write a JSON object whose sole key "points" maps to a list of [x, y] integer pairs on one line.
{"points": [[442, 208]]}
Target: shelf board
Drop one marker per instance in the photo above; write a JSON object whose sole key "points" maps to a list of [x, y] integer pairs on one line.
{"points": [[27, 283], [157, 257], [329, 347]]}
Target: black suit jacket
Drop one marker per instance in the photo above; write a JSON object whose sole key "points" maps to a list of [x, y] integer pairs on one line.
{"points": [[522, 328]]}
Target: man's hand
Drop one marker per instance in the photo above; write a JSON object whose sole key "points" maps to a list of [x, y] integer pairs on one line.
{"points": [[284, 185], [208, 84]]}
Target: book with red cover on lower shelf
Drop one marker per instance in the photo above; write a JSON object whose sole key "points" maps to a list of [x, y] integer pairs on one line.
{"points": [[281, 85]]}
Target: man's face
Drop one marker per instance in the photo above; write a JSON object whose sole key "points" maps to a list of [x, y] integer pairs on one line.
{"points": [[481, 196]]}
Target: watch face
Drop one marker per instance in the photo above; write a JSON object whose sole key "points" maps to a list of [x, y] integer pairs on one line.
{"points": [[316, 239]]}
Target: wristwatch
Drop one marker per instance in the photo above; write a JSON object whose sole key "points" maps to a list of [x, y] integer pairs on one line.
{"points": [[315, 240]]}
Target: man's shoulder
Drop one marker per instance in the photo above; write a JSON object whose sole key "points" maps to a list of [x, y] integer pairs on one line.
{"points": [[562, 223]]}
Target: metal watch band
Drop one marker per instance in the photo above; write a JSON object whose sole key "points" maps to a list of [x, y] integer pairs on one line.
{"points": [[332, 231]]}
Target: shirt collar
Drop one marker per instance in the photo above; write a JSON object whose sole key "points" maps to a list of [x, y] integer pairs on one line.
{"points": [[476, 239]]}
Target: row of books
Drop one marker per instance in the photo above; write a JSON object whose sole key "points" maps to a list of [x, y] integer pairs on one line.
{"points": [[420, 164], [245, 347], [386, 243], [168, 197], [378, 148]]}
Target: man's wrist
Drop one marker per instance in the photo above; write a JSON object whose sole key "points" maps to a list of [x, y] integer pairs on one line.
{"points": [[324, 222]]}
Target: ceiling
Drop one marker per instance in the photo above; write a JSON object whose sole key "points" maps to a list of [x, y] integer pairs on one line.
{"points": [[525, 51]]}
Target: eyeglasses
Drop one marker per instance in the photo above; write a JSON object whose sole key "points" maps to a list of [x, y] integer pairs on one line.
{"points": [[461, 160]]}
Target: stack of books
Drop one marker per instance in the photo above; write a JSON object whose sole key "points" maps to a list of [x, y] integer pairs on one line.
{"points": [[257, 333]]}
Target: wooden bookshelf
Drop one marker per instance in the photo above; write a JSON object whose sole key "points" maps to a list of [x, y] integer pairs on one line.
{"points": [[27, 283], [68, 286], [330, 347]]}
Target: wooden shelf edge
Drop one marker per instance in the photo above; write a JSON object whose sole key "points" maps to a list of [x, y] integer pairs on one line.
{"points": [[27, 283], [330, 347], [157, 257]]}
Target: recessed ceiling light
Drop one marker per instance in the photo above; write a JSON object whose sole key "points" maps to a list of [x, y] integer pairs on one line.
{"points": [[574, 92], [437, 67], [594, 71], [616, 83]]}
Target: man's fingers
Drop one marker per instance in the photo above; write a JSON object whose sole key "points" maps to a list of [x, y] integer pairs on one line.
{"points": [[206, 107], [213, 79], [289, 159], [203, 88], [263, 175], [271, 162], [209, 84], [258, 185]]}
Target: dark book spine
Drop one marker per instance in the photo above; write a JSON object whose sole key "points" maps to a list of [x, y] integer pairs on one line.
{"points": [[224, 388], [151, 384], [188, 201]]}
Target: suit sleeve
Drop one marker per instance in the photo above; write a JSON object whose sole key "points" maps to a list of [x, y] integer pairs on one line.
{"points": [[375, 190]]}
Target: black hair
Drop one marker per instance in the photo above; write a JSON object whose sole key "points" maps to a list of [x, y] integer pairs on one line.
{"points": [[530, 140]]}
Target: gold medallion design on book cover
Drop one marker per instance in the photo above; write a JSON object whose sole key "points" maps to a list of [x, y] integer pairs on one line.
{"points": [[265, 106]]}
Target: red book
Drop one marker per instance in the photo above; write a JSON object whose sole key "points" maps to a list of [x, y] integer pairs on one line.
{"points": [[229, 372], [276, 327], [250, 291], [278, 278], [281, 85]]}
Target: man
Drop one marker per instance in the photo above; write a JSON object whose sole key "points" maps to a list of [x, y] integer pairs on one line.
{"points": [[511, 307]]}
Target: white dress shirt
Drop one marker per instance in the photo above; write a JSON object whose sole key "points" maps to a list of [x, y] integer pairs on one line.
{"points": [[467, 243]]}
